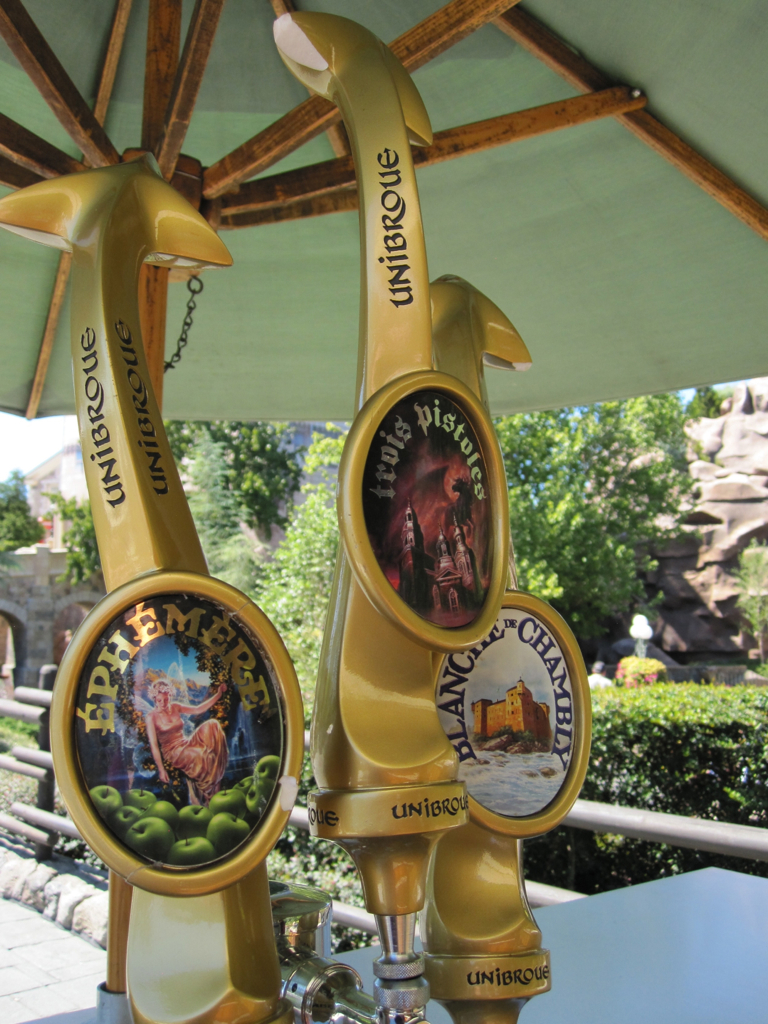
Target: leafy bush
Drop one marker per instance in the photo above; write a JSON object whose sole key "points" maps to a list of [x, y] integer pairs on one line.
{"points": [[633, 672], [699, 751]]}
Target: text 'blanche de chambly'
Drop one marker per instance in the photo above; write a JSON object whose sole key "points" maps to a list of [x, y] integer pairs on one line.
{"points": [[458, 668], [395, 242]]}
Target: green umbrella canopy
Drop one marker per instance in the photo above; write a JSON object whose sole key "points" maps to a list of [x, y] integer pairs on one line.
{"points": [[621, 273]]}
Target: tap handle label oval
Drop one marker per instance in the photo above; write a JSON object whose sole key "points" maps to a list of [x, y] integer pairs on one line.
{"points": [[423, 509], [516, 709], [178, 714]]}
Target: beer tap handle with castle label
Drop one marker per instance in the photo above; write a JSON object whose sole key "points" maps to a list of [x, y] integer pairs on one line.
{"points": [[516, 708]]}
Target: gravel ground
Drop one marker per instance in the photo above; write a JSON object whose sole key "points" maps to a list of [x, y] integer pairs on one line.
{"points": [[16, 787]]}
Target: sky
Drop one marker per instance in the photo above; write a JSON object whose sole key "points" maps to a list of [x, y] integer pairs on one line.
{"points": [[24, 444]]}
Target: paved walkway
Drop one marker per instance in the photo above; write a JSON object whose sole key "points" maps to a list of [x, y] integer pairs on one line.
{"points": [[44, 970]]}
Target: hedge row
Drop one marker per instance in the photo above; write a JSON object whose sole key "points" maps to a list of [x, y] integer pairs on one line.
{"points": [[681, 748]]}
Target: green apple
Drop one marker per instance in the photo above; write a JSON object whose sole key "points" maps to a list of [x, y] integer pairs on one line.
{"points": [[226, 831], [193, 821], [165, 810], [195, 850], [267, 768], [230, 800], [141, 798], [244, 784], [122, 820], [254, 798], [106, 799], [151, 837]]}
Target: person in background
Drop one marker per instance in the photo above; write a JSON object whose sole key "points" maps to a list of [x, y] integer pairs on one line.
{"points": [[597, 681]]}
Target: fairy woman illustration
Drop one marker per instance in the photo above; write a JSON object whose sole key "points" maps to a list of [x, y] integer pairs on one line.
{"points": [[202, 757]]}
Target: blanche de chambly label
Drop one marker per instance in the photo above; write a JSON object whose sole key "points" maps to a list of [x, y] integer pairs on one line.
{"points": [[507, 708]]}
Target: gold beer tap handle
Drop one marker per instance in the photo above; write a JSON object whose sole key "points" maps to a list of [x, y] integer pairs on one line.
{"points": [[469, 332], [212, 952], [383, 114], [112, 223]]}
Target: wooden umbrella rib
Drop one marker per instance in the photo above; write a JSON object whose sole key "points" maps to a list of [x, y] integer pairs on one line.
{"points": [[578, 72], [56, 87], [23, 147], [162, 61], [331, 176], [525, 124], [111, 59], [49, 334], [444, 29], [189, 75], [14, 176], [103, 96], [334, 202], [163, 42], [414, 48]]}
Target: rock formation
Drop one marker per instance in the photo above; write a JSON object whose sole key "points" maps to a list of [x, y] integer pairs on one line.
{"points": [[729, 462]]}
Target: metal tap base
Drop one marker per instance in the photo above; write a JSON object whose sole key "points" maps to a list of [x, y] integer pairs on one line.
{"points": [[400, 989]]}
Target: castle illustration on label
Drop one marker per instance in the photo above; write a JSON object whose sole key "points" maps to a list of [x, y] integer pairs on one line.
{"points": [[518, 711]]}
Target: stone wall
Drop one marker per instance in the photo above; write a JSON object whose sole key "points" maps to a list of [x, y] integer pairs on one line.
{"points": [[37, 607], [729, 462]]}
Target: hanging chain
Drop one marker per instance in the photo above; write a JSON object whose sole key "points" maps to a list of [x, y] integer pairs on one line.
{"points": [[194, 287]]}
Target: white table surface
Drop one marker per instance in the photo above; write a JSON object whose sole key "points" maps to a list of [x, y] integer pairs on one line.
{"points": [[686, 950], [692, 949]]}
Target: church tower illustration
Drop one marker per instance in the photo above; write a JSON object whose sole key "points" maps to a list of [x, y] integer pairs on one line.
{"points": [[465, 562], [413, 586], [444, 584]]}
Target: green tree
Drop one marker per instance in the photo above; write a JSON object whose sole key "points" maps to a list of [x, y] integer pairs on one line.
{"points": [[591, 490], [705, 402], [17, 527], [260, 467], [296, 586], [752, 577], [83, 559], [218, 514]]}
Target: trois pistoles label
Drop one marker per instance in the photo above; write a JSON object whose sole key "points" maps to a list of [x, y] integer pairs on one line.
{"points": [[427, 510]]}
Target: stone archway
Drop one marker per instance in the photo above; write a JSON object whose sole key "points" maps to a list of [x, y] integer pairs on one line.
{"points": [[13, 646], [69, 612]]}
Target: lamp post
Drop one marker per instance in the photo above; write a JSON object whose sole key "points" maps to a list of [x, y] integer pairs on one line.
{"points": [[641, 632]]}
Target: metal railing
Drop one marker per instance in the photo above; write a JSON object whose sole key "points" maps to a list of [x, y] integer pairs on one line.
{"points": [[31, 705], [41, 826]]}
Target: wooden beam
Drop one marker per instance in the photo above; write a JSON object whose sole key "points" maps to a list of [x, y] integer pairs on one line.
{"points": [[49, 333], [13, 176], [337, 133], [111, 59], [317, 206], [444, 29], [103, 96], [163, 42], [414, 48], [186, 86], [333, 175], [56, 87], [153, 310], [28, 150], [578, 72]]}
